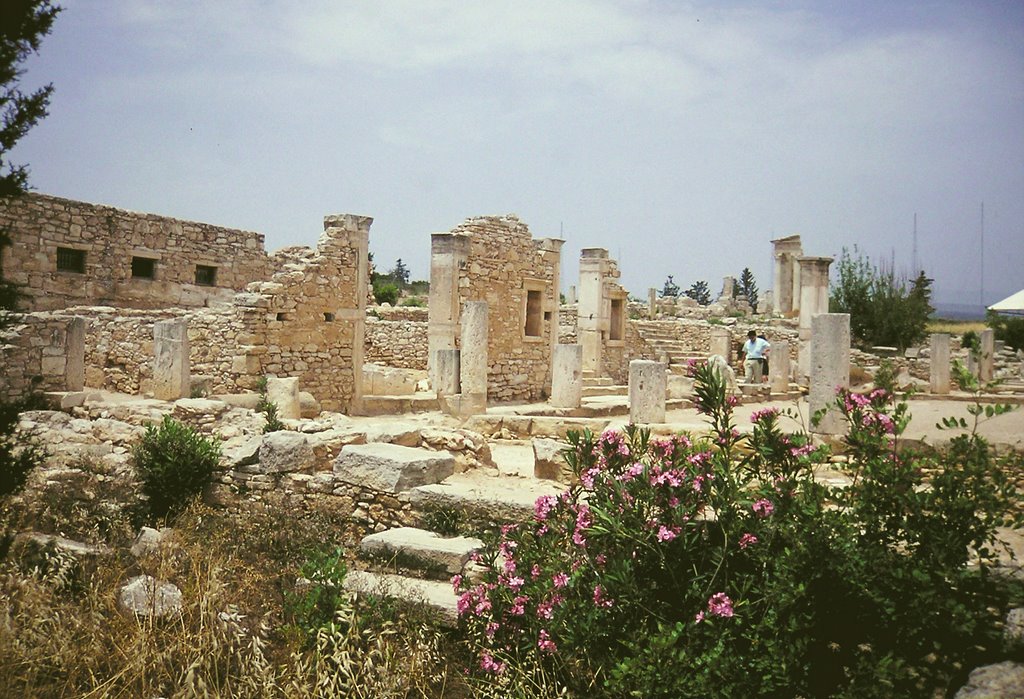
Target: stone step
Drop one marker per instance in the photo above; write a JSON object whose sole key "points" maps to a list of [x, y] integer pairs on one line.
{"points": [[589, 381], [606, 390], [397, 405], [391, 468], [430, 553], [434, 594], [483, 497]]}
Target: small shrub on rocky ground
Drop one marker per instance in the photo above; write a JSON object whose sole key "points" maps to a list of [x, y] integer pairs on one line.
{"points": [[720, 567], [174, 463]]}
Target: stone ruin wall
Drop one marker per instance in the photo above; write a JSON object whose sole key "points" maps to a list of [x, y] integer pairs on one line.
{"points": [[396, 343], [38, 225], [306, 321], [502, 263], [37, 354]]}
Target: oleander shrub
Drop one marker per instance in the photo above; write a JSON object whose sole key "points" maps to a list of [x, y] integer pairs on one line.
{"points": [[174, 462], [719, 566]]}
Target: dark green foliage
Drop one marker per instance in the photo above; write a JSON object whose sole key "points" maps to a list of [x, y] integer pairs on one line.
{"points": [[385, 292], [1009, 329], [747, 288], [670, 289], [23, 24], [269, 410], [19, 454], [319, 594], [699, 292], [400, 274], [884, 309], [174, 463]]}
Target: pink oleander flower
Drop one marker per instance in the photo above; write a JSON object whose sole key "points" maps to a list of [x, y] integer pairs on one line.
{"points": [[666, 534], [802, 451], [545, 643], [491, 629], [515, 583], [599, 598], [699, 617], [545, 610], [630, 473], [747, 539], [560, 579], [758, 415], [720, 605], [535, 571], [456, 582], [600, 560], [763, 508], [489, 664], [543, 506], [510, 565], [542, 530], [732, 401], [518, 607]]}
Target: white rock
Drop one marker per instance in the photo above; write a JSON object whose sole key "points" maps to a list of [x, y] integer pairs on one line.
{"points": [[145, 596]]}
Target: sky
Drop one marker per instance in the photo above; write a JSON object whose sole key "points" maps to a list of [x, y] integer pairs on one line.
{"points": [[680, 136]]}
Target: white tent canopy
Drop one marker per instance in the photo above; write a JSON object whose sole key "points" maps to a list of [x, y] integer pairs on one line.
{"points": [[1011, 304]]}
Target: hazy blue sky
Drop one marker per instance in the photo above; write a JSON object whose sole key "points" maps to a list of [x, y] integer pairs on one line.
{"points": [[681, 136]]}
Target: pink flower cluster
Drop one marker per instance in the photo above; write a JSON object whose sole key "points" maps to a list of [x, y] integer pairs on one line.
{"points": [[489, 664], [543, 506], [719, 604], [747, 539], [763, 508], [600, 599], [763, 413], [545, 643]]}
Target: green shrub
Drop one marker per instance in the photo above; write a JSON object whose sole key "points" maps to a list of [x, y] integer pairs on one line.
{"points": [[413, 301], [385, 292], [1009, 329], [718, 566], [174, 463], [269, 409], [884, 309]]}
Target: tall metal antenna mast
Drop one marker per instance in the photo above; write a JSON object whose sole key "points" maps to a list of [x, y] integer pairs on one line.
{"points": [[913, 263], [981, 293]]}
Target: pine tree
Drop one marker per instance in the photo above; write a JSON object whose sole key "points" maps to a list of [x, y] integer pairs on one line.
{"points": [[670, 288], [699, 292], [748, 288]]}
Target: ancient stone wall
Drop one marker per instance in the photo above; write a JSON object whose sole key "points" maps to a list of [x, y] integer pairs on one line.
{"points": [[413, 313], [495, 259], [41, 353], [67, 253], [396, 343]]}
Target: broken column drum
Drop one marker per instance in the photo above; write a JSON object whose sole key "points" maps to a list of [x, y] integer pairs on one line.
{"points": [[939, 371], [473, 354], [647, 384], [829, 367], [567, 376], [170, 359]]}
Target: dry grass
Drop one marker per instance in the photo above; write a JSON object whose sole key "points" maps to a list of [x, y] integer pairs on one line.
{"points": [[62, 635], [954, 327]]}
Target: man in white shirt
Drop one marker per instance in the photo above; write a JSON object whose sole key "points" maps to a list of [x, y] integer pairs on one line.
{"points": [[754, 350]]}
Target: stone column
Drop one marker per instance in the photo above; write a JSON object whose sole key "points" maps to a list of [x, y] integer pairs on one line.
{"points": [[170, 359], [784, 252], [570, 298], [652, 301], [446, 372], [829, 367], [721, 343], [778, 367], [473, 357], [647, 384], [939, 373], [75, 368], [589, 320], [284, 394], [448, 254], [813, 299], [567, 376], [986, 361]]}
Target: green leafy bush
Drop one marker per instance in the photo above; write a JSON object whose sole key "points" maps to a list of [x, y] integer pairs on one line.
{"points": [[718, 566], [1009, 329], [269, 409], [174, 463], [385, 292], [884, 309], [319, 594]]}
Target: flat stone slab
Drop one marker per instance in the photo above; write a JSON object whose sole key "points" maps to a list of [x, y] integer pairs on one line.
{"points": [[146, 596], [392, 468], [424, 548], [436, 595], [497, 498]]}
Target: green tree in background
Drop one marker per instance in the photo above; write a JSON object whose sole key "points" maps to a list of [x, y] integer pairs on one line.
{"points": [[748, 288], [699, 292]]}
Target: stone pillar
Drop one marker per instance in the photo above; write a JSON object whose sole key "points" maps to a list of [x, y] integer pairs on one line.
{"points": [[448, 255], [446, 372], [567, 376], [779, 370], [829, 367], [728, 287], [647, 385], [74, 378], [473, 357], [939, 373], [590, 310], [170, 359], [784, 252], [570, 298], [652, 302], [721, 343], [986, 360], [284, 393], [813, 299]]}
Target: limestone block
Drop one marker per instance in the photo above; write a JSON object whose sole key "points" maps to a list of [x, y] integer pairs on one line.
{"points": [[427, 548], [391, 468], [1005, 679], [308, 405], [567, 376], [171, 359], [446, 372], [779, 369], [548, 462], [829, 367], [406, 434], [149, 541], [284, 393], [282, 452], [647, 388], [145, 596]]}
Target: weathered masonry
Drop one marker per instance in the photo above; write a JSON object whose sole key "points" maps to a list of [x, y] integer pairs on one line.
{"points": [[71, 253], [495, 259]]}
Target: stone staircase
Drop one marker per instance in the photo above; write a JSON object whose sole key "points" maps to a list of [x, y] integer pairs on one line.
{"points": [[668, 348]]}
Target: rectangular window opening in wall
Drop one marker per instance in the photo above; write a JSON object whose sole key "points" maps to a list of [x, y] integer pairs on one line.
{"points": [[71, 260], [282, 316], [328, 317], [206, 275], [617, 324], [143, 268], [533, 325]]}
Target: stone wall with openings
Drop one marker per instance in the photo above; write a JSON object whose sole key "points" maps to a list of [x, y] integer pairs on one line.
{"points": [[495, 259], [42, 353], [396, 343], [68, 253]]}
